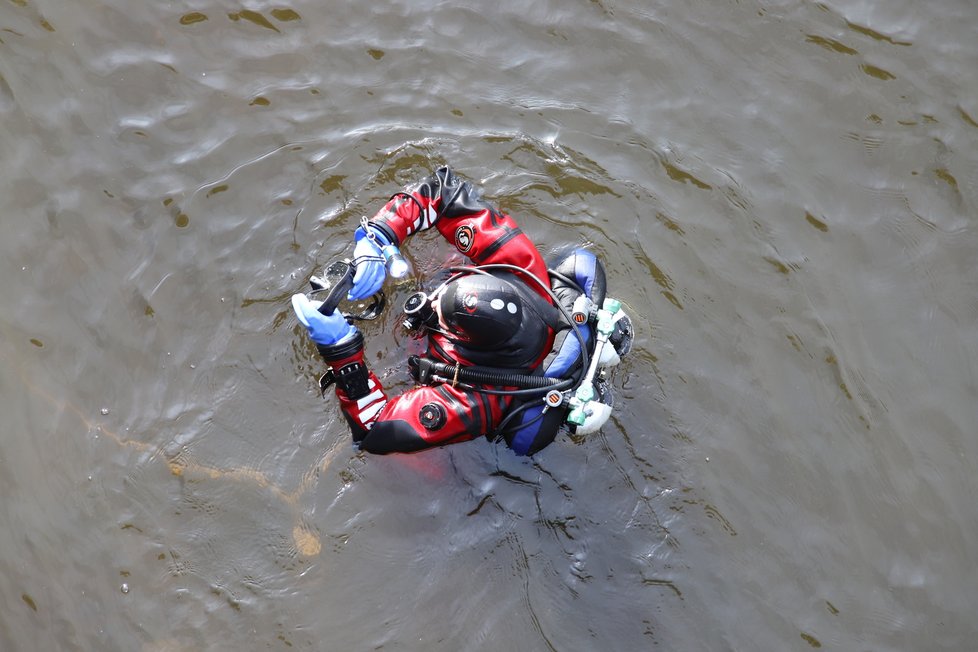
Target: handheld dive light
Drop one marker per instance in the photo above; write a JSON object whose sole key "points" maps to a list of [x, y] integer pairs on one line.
{"points": [[397, 265]]}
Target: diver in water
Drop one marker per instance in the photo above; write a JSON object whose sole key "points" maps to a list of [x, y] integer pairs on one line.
{"points": [[515, 349]]}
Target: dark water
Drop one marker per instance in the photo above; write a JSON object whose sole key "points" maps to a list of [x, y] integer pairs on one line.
{"points": [[785, 197]]}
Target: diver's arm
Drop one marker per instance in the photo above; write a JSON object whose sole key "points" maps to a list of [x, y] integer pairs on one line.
{"points": [[423, 417], [456, 208], [442, 195], [341, 346], [414, 209], [360, 393], [379, 425], [420, 418]]}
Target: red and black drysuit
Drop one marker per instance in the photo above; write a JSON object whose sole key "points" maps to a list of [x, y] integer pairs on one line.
{"points": [[434, 415]]}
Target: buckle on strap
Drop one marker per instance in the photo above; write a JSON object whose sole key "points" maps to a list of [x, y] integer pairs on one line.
{"points": [[426, 371], [352, 378], [326, 380], [420, 369]]}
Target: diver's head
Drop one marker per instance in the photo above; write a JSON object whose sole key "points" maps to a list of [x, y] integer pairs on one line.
{"points": [[489, 320], [481, 310]]}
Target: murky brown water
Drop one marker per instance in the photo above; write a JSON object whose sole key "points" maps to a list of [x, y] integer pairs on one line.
{"points": [[785, 196]]}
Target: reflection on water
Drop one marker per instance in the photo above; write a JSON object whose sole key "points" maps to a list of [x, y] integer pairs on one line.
{"points": [[784, 198]]}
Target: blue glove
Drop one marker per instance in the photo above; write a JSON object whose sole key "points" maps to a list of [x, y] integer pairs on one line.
{"points": [[370, 264], [323, 329]]}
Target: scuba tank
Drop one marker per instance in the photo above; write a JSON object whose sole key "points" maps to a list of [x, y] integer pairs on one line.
{"points": [[590, 406], [602, 326]]}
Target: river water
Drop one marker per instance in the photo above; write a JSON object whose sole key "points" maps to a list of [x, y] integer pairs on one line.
{"points": [[784, 194]]}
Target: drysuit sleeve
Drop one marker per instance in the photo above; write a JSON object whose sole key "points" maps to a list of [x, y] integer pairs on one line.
{"points": [[429, 416], [457, 210], [419, 418]]}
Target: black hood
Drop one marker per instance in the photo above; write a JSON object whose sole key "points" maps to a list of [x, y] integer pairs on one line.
{"points": [[496, 320]]}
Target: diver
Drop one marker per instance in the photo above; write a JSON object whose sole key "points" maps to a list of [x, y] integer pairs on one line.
{"points": [[514, 349]]}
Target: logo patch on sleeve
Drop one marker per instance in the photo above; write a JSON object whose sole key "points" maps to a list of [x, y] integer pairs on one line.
{"points": [[464, 238]]}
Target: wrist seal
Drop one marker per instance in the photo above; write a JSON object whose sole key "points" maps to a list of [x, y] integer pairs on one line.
{"points": [[337, 352], [387, 232]]}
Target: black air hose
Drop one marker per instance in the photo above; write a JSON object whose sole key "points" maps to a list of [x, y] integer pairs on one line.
{"points": [[424, 368]]}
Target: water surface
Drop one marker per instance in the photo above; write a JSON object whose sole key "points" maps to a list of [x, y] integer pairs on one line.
{"points": [[784, 195]]}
